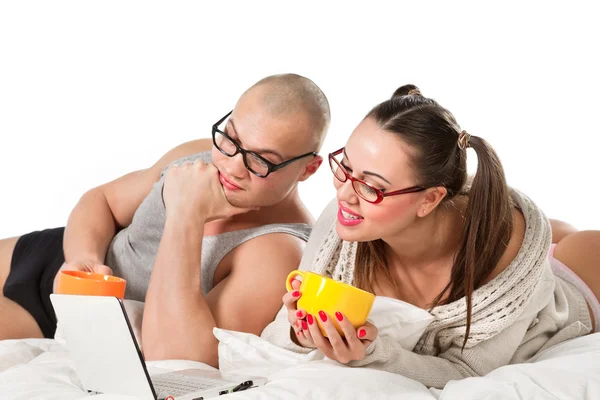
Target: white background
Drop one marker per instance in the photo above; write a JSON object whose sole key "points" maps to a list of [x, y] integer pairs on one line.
{"points": [[92, 90]]}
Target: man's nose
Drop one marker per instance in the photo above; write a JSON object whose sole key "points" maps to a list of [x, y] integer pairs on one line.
{"points": [[235, 166]]}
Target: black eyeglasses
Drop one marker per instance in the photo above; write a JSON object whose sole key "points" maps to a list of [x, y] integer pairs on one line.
{"points": [[253, 162]]}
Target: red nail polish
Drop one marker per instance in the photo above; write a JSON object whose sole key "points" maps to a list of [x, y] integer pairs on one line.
{"points": [[339, 316], [304, 325], [323, 316], [299, 314], [362, 333], [310, 319], [295, 293]]}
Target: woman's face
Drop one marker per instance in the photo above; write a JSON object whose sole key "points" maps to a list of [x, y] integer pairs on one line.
{"points": [[381, 159]]}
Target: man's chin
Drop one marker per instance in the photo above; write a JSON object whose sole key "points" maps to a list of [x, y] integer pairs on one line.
{"points": [[240, 201]]}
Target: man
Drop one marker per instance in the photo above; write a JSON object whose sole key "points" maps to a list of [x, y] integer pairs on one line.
{"points": [[204, 243]]}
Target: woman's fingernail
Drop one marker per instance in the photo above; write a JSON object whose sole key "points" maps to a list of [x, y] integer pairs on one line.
{"points": [[323, 316], [339, 316], [299, 314], [310, 319], [362, 333], [296, 293], [304, 325]]}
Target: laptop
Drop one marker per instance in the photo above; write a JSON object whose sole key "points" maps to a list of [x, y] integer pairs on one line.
{"points": [[108, 359]]}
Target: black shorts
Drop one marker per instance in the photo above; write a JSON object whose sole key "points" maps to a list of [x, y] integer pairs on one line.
{"points": [[36, 259]]}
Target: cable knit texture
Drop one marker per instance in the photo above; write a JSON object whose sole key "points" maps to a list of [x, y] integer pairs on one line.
{"points": [[522, 311]]}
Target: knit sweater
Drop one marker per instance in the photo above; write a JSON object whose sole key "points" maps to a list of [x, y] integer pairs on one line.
{"points": [[522, 311]]}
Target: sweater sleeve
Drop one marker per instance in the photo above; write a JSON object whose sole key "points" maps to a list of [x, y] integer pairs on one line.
{"points": [[454, 363], [318, 234]]}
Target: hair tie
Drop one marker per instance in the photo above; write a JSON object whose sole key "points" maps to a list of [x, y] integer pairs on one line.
{"points": [[463, 140], [416, 92]]}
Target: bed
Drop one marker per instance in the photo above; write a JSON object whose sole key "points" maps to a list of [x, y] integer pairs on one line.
{"points": [[42, 369]]}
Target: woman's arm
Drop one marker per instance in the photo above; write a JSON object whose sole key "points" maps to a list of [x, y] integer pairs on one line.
{"points": [[454, 363]]}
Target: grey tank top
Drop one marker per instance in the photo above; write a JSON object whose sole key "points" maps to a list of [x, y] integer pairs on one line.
{"points": [[132, 252]]}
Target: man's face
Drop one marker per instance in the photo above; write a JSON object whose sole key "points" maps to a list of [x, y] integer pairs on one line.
{"points": [[276, 139]]}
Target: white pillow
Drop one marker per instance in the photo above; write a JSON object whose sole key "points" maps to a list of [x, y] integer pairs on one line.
{"points": [[397, 319]]}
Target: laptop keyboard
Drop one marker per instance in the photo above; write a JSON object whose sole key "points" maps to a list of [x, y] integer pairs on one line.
{"points": [[175, 384]]}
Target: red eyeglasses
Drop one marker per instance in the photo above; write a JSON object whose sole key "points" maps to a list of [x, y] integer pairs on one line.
{"points": [[363, 189]]}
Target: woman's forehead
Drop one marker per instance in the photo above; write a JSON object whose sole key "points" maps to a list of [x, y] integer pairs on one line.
{"points": [[373, 149]]}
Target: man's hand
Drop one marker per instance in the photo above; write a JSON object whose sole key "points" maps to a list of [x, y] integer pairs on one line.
{"points": [[192, 191], [86, 266]]}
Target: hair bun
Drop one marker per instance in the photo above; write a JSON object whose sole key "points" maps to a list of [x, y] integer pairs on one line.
{"points": [[406, 90]]}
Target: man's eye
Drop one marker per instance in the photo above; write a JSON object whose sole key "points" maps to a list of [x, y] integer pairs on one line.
{"points": [[347, 168], [229, 133]]}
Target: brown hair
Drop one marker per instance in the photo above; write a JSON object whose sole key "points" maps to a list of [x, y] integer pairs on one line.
{"points": [[432, 132]]}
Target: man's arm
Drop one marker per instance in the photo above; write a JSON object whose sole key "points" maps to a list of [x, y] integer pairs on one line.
{"points": [[250, 297], [104, 210], [178, 320]]}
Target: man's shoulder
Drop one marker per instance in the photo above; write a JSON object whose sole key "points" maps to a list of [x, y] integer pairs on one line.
{"points": [[286, 248], [188, 151], [191, 148], [272, 247], [198, 146]]}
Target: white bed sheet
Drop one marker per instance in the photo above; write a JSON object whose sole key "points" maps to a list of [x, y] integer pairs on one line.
{"points": [[42, 369]]}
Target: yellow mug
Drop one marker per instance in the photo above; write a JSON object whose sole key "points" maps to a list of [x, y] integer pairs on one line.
{"points": [[320, 293]]}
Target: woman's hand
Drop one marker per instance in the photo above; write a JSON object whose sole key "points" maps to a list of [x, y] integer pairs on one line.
{"points": [[352, 347], [296, 317]]}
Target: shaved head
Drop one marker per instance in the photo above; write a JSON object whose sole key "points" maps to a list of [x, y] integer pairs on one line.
{"points": [[283, 120], [291, 94]]}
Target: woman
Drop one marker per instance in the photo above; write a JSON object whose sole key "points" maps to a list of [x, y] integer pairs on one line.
{"points": [[410, 226]]}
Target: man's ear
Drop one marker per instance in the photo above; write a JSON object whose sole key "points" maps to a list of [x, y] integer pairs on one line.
{"points": [[311, 168]]}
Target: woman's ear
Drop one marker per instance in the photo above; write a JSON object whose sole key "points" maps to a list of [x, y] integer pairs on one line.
{"points": [[431, 199]]}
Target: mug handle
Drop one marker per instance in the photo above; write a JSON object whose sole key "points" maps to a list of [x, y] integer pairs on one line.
{"points": [[290, 278]]}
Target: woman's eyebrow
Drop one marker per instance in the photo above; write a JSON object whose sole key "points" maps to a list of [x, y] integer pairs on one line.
{"points": [[369, 172]]}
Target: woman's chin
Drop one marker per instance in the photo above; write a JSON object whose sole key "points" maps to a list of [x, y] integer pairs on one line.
{"points": [[349, 233]]}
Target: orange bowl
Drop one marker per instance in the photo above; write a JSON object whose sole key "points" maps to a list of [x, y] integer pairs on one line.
{"points": [[89, 283]]}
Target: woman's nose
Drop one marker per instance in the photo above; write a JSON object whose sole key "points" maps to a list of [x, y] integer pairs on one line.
{"points": [[346, 193]]}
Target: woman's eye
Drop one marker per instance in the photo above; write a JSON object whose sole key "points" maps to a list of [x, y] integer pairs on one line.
{"points": [[369, 189]]}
